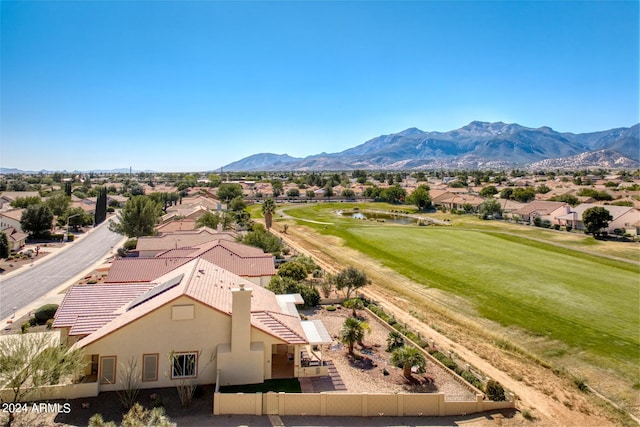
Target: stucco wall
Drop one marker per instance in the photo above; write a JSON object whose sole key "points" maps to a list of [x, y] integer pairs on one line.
{"points": [[351, 404], [69, 391], [157, 333]]}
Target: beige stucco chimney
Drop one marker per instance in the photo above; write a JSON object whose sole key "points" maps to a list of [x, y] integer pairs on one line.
{"points": [[240, 319]]}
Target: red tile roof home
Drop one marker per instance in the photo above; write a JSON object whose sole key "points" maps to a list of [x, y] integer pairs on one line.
{"points": [[142, 270], [240, 259], [85, 308], [538, 208], [152, 245], [173, 226], [15, 238], [205, 283]]}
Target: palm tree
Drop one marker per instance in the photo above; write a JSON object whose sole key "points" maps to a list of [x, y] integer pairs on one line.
{"points": [[354, 304], [394, 340], [351, 332], [408, 357], [268, 208]]}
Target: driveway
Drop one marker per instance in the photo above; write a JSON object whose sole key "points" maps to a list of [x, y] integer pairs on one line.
{"points": [[55, 270]]}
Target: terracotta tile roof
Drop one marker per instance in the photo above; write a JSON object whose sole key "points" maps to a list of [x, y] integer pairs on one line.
{"points": [[181, 239], [13, 195], [212, 286], [541, 206], [235, 257], [173, 226], [15, 214], [136, 270], [14, 235], [95, 301], [281, 325], [84, 325]]}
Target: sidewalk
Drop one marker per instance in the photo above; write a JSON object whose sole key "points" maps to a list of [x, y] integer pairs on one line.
{"points": [[54, 296]]}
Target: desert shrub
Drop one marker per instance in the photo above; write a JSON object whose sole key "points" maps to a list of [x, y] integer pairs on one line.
{"points": [[25, 327], [417, 339], [445, 360], [130, 244], [92, 282], [310, 295], [495, 391], [331, 308], [471, 379], [527, 415], [49, 323], [581, 384], [45, 313]]}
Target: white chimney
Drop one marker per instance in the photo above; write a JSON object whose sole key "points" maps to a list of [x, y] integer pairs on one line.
{"points": [[240, 319]]}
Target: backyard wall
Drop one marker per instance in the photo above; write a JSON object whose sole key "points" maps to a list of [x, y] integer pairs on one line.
{"points": [[349, 404], [53, 392]]}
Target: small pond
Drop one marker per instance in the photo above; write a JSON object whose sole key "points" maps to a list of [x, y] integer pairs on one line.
{"points": [[379, 217]]}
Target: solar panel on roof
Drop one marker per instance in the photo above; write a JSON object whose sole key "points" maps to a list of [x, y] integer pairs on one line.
{"points": [[154, 292]]}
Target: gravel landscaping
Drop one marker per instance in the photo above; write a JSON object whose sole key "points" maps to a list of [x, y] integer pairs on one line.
{"points": [[367, 373]]}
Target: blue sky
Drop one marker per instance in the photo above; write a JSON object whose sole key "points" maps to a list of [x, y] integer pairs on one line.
{"points": [[192, 86]]}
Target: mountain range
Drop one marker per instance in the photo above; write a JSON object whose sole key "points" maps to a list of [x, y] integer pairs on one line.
{"points": [[479, 145]]}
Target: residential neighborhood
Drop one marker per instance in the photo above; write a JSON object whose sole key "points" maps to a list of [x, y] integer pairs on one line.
{"points": [[193, 304]]}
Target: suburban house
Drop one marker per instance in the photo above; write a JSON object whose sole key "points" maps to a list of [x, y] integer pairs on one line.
{"points": [[10, 196], [11, 219], [246, 261], [188, 212], [150, 246], [15, 238], [452, 200], [541, 208], [198, 323], [178, 225], [625, 219], [509, 206]]}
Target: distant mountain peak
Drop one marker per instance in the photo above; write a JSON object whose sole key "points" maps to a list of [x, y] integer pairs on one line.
{"points": [[476, 145], [410, 131]]}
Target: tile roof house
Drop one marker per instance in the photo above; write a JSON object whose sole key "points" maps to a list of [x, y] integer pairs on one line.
{"points": [[11, 219], [15, 238], [625, 219], [150, 246], [179, 225], [245, 261], [197, 323], [538, 208], [456, 201], [10, 196]]}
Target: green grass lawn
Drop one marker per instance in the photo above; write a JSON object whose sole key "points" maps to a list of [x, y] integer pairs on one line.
{"points": [[586, 301]]}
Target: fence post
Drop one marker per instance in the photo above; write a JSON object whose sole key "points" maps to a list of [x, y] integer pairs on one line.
{"points": [[281, 397], [259, 409], [365, 400], [323, 404]]}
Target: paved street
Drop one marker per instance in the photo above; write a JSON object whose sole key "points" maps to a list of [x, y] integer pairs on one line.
{"points": [[27, 286]]}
